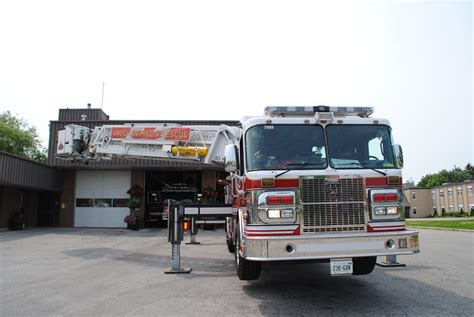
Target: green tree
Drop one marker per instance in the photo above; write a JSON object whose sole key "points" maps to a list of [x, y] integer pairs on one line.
{"points": [[19, 138], [456, 175], [470, 169]]}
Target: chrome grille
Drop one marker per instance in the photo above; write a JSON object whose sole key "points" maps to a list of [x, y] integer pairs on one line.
{"points": [[332, 206]]}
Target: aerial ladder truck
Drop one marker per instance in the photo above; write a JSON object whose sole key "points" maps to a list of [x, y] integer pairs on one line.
{"points": [[306, 183]]}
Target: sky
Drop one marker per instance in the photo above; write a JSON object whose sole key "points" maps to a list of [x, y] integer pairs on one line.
{"points": [[222, 60]]}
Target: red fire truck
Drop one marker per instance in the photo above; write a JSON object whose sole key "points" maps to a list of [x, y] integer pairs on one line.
{"points": [[306, 183]]}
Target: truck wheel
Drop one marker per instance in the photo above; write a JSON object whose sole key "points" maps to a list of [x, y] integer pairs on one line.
{"points": [[246, 270], [364, 265], [230, 245]]}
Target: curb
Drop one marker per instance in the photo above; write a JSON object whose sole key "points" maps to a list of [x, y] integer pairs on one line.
{"points": [[443, 229]]}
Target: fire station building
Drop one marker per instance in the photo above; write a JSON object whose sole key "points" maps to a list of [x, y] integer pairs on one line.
{"points": [[95, 195]]}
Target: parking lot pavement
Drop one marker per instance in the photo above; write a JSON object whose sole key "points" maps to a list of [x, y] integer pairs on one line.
{"points": [[91, 272]]}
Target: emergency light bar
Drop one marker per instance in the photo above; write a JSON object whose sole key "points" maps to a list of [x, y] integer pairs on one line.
{"points": [[364, 112]]}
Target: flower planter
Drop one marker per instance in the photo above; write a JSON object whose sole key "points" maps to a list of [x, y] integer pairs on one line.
{"points": [[133, 226]]}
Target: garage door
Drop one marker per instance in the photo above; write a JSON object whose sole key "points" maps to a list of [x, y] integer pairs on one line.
{"points": [[101, 198]]}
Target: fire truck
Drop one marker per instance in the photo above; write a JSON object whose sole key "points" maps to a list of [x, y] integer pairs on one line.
{"points": [[305, 183]]}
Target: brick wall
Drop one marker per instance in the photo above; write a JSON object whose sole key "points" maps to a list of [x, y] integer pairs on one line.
{"points": [[66, 211]]}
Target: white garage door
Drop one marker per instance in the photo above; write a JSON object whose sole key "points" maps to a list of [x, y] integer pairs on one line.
{"points": [[101, 198]]}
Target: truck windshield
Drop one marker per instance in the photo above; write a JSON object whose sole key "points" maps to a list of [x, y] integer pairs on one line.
{"points": [[360, 146], [285, 147]]}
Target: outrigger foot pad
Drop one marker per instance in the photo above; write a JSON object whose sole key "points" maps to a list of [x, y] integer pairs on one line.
{"points": [[391, 261], [179, 271]]}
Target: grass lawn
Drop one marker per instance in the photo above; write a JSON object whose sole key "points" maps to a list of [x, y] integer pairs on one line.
{"points": [[449, 224]]}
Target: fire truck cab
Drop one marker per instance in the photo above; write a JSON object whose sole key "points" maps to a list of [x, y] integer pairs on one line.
{"points": [[316, 183]]}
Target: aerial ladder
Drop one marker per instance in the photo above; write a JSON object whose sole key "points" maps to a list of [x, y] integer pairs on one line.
{"points": [[201, 144]]}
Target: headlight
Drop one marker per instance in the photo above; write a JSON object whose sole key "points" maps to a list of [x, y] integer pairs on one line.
{"points": [[380, 211], [392, 210], [287, 213], [273, 213], [384, 210], [280, 213]]}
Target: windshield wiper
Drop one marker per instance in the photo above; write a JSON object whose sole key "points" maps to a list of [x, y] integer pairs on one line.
{"points": [[364, 166], [298, 166]]}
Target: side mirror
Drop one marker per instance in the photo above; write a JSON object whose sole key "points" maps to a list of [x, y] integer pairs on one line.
{"points": [[399, 155], [230, 160]]}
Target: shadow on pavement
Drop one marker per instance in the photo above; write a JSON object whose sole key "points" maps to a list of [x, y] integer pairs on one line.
{"points": [[308, 289], [215, 267]]}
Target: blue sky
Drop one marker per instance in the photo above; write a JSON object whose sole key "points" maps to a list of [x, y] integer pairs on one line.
{"points": [[410, 60]]}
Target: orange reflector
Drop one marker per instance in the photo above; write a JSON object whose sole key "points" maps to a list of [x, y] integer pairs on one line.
{"points": [[393, 180], [268, 182], [186, 224]]}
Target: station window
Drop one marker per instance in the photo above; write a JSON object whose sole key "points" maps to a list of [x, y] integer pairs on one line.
{"points": [[120, 202], [413, 195], [459, 191], [103, 202], [469, 190], [414, 210], [84, 202], [441, 194], [433, 195]]}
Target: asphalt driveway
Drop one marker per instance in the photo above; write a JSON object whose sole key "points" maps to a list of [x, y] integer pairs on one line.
{"points": [[91, 272]]}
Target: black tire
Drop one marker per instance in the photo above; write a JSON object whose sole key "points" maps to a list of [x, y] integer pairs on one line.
{"points": [[363, 265], [230, 245], [246, 270]]}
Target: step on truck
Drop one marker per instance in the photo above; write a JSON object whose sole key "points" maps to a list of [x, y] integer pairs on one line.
{"points": [[306, 183]]}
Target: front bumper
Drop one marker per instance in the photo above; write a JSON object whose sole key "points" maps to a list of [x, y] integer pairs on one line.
{"points": [[329, 246]]}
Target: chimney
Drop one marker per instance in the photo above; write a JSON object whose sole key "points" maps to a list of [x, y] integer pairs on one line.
{"points": [[89, 106]]}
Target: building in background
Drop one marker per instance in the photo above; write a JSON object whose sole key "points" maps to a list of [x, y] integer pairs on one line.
{"points": [[418, 202], [455, 198]]}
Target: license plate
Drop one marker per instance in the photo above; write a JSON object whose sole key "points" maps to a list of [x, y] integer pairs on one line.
{"points": [[341, 267]]}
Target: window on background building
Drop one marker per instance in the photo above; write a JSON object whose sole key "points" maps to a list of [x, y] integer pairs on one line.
{"points": [[414, 210], [433, 195], [469, 190], [459, 191], [450, 192], [451, 208], [413, 195], [441, 194]]}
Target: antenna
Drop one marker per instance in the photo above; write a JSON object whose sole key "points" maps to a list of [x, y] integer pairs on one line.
{"points": [[102, 102]]}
